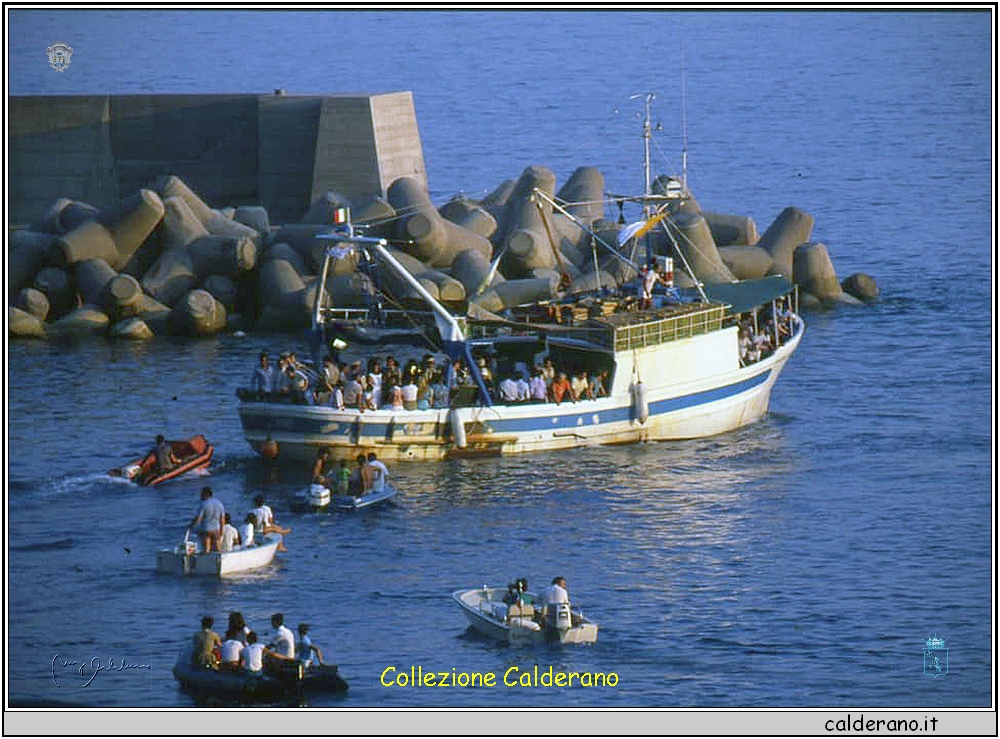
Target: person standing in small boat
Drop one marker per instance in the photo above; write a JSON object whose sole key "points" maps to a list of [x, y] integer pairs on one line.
{"points": [[206, 645], [319, 470], [380, 473], [343, 478], [209, 520]]}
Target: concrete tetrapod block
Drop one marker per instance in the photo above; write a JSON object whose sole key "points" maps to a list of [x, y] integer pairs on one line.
{"points": [[529, 234], [791, 228], [22, 324], [522, 292], [133, 328], [304, 239], [590, 281], [122, 295], [497, 204], [224, 255], [813, 271], [89, 240], [132, 222], [861, 286], [170, 186], [322, 211], [74, 214], [694, 240], [171, 277], [91, 277], [583, 194], [49, 222], [469, 214], [254, 216], [222, 288], [399, 288], [746, 262], [34, 302], [377, 216], [27, 253], [732, 230], [471, 268], [87, 319], [280, 284], [198, 314], [152, 311], [284, 251], [57, 286]]}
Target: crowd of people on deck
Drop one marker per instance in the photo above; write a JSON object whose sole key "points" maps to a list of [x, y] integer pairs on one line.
{"points": [[218, 534], [385, 383], [758, 341], [242, 651]]}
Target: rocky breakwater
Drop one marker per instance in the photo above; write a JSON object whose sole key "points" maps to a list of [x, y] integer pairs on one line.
{"points": [[164, 261]]}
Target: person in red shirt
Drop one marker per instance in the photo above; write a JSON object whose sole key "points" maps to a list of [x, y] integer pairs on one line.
{"points": [[561, 388]]}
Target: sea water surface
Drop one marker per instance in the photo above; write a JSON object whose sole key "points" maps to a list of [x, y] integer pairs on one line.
{"points": [[802, 561]]}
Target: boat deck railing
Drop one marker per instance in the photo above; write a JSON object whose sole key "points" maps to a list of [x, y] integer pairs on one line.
{"points": [[627, 331]]}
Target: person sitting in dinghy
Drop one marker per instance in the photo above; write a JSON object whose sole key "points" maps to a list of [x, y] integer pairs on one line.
{"points": [[307, 652], [266, 523], [164, 455]]}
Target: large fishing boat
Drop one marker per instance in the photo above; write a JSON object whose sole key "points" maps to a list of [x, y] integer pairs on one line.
{"points": [[675, 367]]}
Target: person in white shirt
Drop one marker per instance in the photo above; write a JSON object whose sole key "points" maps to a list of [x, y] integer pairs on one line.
{"points": [[266, 523], [282, 644], [247, 529], [230, 536], [252, 656], [554, 593], [523, 390], [229, 654], [381, 472], [306, 650], [508, 390]]}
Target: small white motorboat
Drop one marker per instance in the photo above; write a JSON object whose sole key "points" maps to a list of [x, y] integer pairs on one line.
{"points": [[520, 623], [319, 497], [187, 558], [365, 500]]}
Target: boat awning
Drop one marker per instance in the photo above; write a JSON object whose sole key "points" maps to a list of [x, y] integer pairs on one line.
{"points": [[748, 294]]}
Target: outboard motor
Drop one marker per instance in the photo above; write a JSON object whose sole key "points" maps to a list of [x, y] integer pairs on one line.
{"points": [[562, 619]]}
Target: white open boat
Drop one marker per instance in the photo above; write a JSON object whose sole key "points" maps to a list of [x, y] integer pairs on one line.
{"points": [[522, 624], [187, 558], [319, 497]]}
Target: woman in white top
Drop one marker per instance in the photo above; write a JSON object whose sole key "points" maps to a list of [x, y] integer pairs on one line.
{"points": [[375, 380]]}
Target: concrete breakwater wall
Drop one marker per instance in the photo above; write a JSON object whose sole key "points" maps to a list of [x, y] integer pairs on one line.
{"points": [[162, 259]]}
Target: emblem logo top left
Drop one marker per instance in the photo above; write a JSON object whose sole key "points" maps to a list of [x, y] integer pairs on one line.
{"points": [[59, 55]]}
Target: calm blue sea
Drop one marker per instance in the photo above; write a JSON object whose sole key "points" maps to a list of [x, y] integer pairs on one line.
{"points": [[800, 562]]}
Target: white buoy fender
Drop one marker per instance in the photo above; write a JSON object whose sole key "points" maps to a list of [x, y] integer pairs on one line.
{"points": [[640, 408], [457, 428]]}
